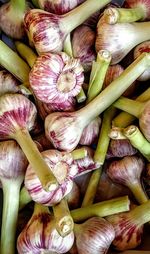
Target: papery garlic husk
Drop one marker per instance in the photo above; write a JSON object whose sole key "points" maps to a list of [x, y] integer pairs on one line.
{"points": [[122, 37], [47, 31], [90, 132], [44, 109], [143, 47], [128, 227], [59, 7], [83, 46], [64, 168], [11, 18], [55, 78], [94, 236], [113, 72], [8, 84], [13, 164], [120, 148], [144, 121], [40, 234], [128, 172], [73, 197]]}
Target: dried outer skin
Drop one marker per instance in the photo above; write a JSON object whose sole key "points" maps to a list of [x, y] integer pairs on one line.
{"points": [[16, 112], [8, 84], [144, 121]]}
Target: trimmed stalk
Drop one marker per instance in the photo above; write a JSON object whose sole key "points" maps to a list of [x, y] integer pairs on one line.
{"points": [[78, 120], [138, 140], [98, 73], [26, 53], [11, 61], [63, 220], [116, 133], [10, 215], [101, 209], [24, 198], [124, 15], [124, 119]]}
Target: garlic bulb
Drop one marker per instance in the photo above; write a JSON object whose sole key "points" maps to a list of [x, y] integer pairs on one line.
{"points": [[40, 234], [55, 78], [8, 84], [95, 235]]}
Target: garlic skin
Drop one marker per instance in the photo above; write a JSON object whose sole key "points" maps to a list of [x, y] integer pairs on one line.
{"points": [[83, 46], [120, 148], [55, 78], [40, 234], [11, 20], [90, 132], [127, 171], [16, 111], [68, 121], [144, 121], [122, 38], [73, 197], [8, 84], [97, 237], [59, 7], [127, 233]]}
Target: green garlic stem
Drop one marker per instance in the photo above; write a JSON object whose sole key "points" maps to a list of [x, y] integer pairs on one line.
{"points": [[98, 73], [137, 139], [81, 97], [45, 175], [35, 3], [130, 106], [11, 61], [26, 53], [104, 139], [124, 15], [25, 198], [18, 5], [63, 220], [68, 46], [11, 189], [101, 209], [124, 119], [39, 208], [141, 213], [138, 192], [115, 90], [78, 15], [92, 188], [79, 153]]}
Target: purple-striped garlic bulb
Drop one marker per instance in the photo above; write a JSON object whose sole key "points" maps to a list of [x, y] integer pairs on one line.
{"points": [[47, 31], [128, 226], [11, 18], [123, 37], [55, 78], [40, 234], [8, 84], [90, 132], [120, 148], [17, 118], [83, 46], [13, 164], [143, 47], [59, 7], [44, 109], [95, 236], [127, 171], [64, 168]]}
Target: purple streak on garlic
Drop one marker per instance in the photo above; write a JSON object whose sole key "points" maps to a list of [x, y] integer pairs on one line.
{"points": [[16, 112], [11, 18], [143, 47], [83, 46], [45, 109], [40, 235], [90, 132], [127, 233], [59, 7], [55, 78], [8, 84], [94, 236], [127, 171], [120, 148]]}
